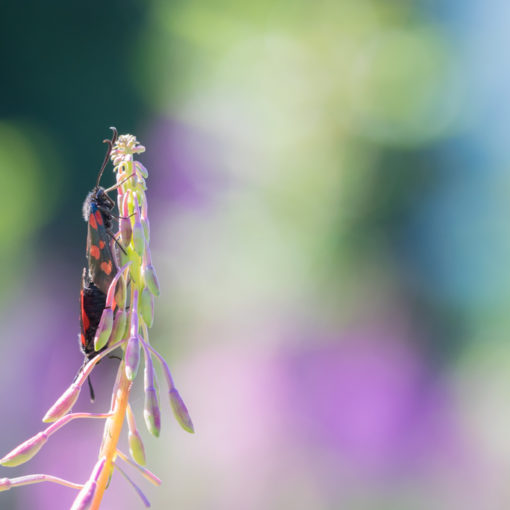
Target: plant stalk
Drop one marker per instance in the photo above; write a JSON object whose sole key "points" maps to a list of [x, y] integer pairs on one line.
{"points": [[113, 427]]}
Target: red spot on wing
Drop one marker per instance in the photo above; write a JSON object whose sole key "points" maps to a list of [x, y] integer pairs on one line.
{"points": [[94, 252], [99, 218], [101, 244], [92, 222], [86, 322], [84, 318], [82, 340], [106, 267]]}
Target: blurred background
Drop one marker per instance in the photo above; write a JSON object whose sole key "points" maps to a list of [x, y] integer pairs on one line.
{"points": [[328, 196]]}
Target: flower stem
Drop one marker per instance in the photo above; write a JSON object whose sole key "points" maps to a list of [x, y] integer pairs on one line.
{"points": [[6, 483], [149, 475], [112, 429]]}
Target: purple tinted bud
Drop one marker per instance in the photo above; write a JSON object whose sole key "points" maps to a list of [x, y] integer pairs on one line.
{"points": [[104, 329], [5, 484], [148, 375], [134, 322], [144, 208], [146, 229], [120, 197], [138, 234], [125, 230], [147, 306], [125, 222], [145, 219], [110, 297], [97, 469], [25, 451], [151, 412], [132, 357], [84, 499], [150, 278], [64, 404], [141, 169], [121, 293], [134, 304], [180, 411], [119, 326]]}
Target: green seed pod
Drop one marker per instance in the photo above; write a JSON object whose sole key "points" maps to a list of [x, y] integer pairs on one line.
{"points": [[104, 329], [138, 237], [146, 229], [121, 293], [180, 411], [150, 279], [151, 412], [132, 357], [136, 448], [64, 404], [119, 326], [146, 307], [25, 451]]}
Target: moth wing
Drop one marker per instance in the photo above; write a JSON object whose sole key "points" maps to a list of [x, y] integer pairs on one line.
{"points": [[102, 267]]}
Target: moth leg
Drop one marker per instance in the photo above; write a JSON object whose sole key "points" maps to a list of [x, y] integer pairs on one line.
{"points": [[112, 235]]}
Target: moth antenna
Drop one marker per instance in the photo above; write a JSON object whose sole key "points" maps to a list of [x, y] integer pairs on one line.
{"points": [[119, 183], [108, 152]]}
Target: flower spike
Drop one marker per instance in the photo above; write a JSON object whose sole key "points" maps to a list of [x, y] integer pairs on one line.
{"points": [[117, 310]]}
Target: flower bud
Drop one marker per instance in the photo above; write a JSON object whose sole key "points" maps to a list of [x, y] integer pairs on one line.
{"points": [[119, 326], [84, 499], [134, 320], [180, 411], [104, 329], [5, 484], [125, 221], [146, 229], [112, 289], [150, 278], [25, 451], [151, 412], [64, 404], [138, 235], [123, 258], [132, 357], [121, 293], [136, 448], [125, 230], [141, 169], [120, 197], [147, 307]]}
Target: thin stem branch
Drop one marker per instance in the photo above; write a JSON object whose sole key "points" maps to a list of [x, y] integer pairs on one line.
{"points": [[8, 483], [164, 365], [70, 417], [149, 475], [133, 484]]}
